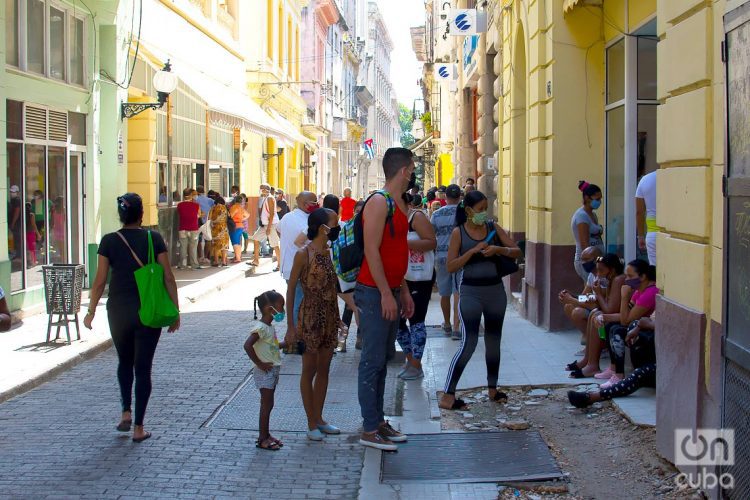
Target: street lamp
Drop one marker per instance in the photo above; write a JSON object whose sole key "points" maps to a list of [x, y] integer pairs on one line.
{"points": [[268, 156], [165, 82]]}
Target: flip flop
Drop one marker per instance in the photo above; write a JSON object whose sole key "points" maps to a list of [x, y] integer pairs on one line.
{"points": [[500, 397], [277, 441], [578, 373], [270, 445], [142, 439], [124, 425], [571, 367], [459, 404]]}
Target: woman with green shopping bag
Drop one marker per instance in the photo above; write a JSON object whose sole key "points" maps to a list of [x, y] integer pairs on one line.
{"points": [[142, 299]]}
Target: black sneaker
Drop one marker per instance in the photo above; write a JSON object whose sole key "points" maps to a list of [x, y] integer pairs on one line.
{"points": [[579, 399]]}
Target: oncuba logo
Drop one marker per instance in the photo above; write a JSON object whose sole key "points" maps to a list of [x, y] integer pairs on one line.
{"points": [[463, 22], [443, 72]]}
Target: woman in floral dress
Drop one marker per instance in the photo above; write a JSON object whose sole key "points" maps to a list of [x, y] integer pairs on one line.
{"points": [[219, 233], [318, 323]]}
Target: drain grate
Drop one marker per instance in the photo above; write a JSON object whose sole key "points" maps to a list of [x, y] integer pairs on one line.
{"points": [[472, 457]]}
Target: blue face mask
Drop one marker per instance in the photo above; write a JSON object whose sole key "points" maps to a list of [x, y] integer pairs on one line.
{"points": [[278, 317], [596, 204]]}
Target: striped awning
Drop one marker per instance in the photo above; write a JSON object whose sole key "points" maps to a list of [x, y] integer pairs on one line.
{"points": [[569, 5]]}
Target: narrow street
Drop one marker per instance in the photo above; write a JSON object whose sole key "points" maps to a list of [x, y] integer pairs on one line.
{"points": [[59, 439]]}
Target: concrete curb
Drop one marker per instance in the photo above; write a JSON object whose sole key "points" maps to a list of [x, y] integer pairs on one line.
{"points": [[53, 372], [187, 294]]}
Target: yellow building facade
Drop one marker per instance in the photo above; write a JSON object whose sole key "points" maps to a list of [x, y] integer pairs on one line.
{"points": [[271, 45], [607, 92]]}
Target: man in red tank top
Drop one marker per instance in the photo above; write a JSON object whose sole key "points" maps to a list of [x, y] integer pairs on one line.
{"points": [[382, 295]]}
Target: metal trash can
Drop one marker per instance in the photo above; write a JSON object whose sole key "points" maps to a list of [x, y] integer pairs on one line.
{"points": [[63, 284]]}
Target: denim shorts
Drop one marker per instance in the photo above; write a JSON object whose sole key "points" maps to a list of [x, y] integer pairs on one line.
{"points": [[266, 380]]}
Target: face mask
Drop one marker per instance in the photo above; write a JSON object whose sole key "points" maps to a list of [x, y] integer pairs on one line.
{"points": [[633, 282], [311, 208], [603, 282], [412, 181], [333, 233], [479, 218], [596, 204], [588, 266], [278, 317]]}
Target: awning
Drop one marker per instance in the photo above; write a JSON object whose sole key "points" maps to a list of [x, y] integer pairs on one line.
{"points": [[227, 100], [290, 132], [569, 5], [420, 143], [220, 96]]}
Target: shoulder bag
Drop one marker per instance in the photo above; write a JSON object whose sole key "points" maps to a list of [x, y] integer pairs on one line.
{"points": [[157, 309], [421, 264]]}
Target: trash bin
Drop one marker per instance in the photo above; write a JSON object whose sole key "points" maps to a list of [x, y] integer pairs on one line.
{"points": [[63, 284]]}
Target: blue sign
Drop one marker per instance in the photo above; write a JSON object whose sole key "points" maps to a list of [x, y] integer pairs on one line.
{"points": [[463, 23], [470, 46]]}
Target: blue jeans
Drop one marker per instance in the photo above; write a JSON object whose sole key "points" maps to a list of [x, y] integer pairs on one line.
{"points": [[298, 293], [378, 336]]}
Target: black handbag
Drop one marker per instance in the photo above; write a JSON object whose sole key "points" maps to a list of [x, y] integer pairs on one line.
{"points": [[505, 265]]}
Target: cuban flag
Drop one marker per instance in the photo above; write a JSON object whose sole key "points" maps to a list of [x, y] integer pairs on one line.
{"points": [[445, 71], [467, 22], [369, 149]]}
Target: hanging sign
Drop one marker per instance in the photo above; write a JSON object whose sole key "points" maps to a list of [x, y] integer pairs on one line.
{"points": [[467, 22], [445, 72]]}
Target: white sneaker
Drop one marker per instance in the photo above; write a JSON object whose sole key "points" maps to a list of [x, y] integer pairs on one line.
{"points": [[377, 441]]}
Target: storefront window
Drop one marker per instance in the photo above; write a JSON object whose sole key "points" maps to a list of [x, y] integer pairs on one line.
{"points": [[36, 204], [646, 139], [615, 190], [16, 232], [11, 32], [35, 36], [57, 219], [616, 72]]}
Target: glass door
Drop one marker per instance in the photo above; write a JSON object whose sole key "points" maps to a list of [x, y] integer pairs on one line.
{"points": [[76, 219]]}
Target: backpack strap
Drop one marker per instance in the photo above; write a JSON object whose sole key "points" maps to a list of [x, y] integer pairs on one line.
{"points": [[118, 233], [391, 203]]}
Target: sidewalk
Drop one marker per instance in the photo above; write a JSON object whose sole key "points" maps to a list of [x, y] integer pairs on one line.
{"points": [[530, 357], [28, 360]]}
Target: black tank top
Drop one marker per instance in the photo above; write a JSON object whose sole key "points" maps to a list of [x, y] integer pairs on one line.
{"points": [[480, 270]]}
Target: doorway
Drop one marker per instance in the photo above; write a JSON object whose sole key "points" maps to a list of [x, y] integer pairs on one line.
{"points": [[77, 197], [736, 352]]}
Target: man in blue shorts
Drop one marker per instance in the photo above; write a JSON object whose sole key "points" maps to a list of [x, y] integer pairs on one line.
{"points": [[444, 221]]}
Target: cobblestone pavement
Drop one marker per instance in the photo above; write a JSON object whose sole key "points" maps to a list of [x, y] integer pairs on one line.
{"points": [[59, 439]]}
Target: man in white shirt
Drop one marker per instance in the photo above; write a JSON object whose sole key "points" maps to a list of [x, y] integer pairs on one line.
{"points": [[293, 232], [645, 210]]}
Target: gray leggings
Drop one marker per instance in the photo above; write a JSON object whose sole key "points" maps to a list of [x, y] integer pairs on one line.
{"points": [[475, 301]]}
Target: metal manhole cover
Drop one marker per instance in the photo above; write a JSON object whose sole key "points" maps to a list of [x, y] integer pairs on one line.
{"points": [[471, 457]]}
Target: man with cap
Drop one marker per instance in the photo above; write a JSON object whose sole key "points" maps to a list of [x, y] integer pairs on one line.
{"points": [[444, 221]]}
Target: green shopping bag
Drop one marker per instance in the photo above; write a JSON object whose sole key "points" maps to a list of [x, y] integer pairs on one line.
{"points": [[157, 309]]}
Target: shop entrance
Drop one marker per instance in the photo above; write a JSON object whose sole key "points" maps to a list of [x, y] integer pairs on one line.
{"points": [[735, 407]]}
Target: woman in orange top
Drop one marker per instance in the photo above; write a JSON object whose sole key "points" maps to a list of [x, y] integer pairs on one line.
{"points": [[239, 215]]}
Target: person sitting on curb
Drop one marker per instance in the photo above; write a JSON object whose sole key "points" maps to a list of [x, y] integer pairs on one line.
{"points": [[608, 292], [638, 301], [579, 311], [643, 355]]}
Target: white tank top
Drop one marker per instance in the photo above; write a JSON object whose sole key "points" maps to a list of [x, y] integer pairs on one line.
{"points": [[264, 213]]}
